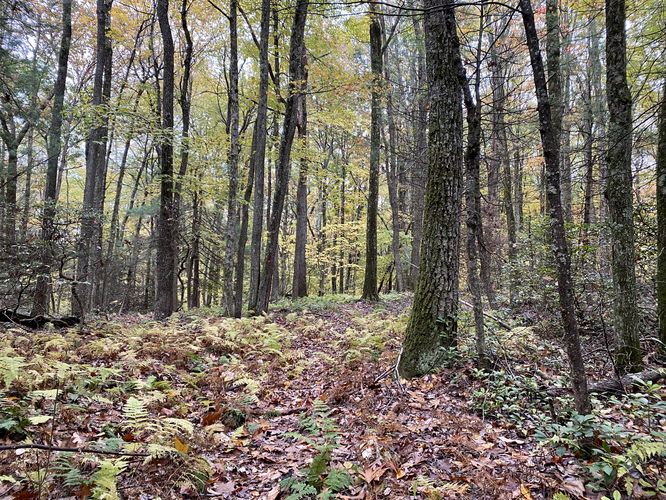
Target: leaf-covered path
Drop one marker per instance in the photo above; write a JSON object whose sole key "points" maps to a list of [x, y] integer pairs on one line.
{"points": [[261, 407]]}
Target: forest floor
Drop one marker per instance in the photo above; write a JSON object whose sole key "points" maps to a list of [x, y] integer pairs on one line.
{"points": [[300, 403]]}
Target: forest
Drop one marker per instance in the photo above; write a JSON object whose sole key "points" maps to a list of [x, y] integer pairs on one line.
{"points": [[290, 249]]}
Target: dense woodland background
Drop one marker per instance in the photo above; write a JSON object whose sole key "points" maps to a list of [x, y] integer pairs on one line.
{"points": [[500, 166]]}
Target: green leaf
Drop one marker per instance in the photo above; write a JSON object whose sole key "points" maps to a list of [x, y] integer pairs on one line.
{"points": [[40, 419]]}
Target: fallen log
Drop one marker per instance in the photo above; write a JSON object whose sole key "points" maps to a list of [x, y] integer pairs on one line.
{"points": [[36, 322], [627, 383]]}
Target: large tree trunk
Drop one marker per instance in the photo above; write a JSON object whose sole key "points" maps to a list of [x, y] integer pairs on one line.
{"points": [[233, 157], [40, 303], [166, 237], [619, 193], [258, 155], [550, 144], [370, 277], [297, 84], [433, 324]]}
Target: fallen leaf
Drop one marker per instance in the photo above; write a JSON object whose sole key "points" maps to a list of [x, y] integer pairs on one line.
{"points": [[525, 492], [211, 417], [181, 446]]}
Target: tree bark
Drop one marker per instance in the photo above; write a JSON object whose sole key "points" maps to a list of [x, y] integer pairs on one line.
{"points": [[232, 159], [619, 192], [370, 276], [432, 326], [166, 244]]}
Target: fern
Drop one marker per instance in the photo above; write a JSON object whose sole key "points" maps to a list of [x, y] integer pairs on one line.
{"points": [[338, 480], [640, 451], [173, 426], [135, 414], [70, 474], [157, 451], [10, 367], [105, 479], [298, 489]]}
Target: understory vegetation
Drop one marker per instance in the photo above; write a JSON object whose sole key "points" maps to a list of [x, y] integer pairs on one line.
{"points": [[304, 403]]}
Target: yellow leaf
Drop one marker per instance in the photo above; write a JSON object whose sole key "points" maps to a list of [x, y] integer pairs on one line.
{"points": [[525, 492], [181, 446]]}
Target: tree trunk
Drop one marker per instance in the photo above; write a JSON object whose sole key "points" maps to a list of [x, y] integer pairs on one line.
{"points": [[166, 244], [40, 303], [432, 326], [297, 84], [419, 172], [392, 171], [231, 243], [661, 224], [257, 157], [550, 144], [300, 283], [473, 195], [619, 192], [370, 276], [242, 240], [95, 155]]}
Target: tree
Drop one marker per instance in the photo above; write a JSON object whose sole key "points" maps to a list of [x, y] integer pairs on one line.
{"points": [[166, 223], [550, 145], [300, 283], [258, 156], [661, 224], [91, 215], [297, 85], [232, 160], [433, 321], [419, 170], [40, 303], [473, 193], [619, 192], [376, 62]]}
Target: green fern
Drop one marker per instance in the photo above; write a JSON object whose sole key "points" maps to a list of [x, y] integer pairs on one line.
{"points": [[338, 480], [10, 367], [298, 489], [105, 479], [70, 474], [640, 451]]}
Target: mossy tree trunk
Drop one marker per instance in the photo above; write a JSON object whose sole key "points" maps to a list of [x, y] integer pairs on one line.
{"points": [[618, 191], [433, 322]]}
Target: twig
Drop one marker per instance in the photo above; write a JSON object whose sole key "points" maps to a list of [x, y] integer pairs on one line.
{"points": [[33, 446], [396, 374]]}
